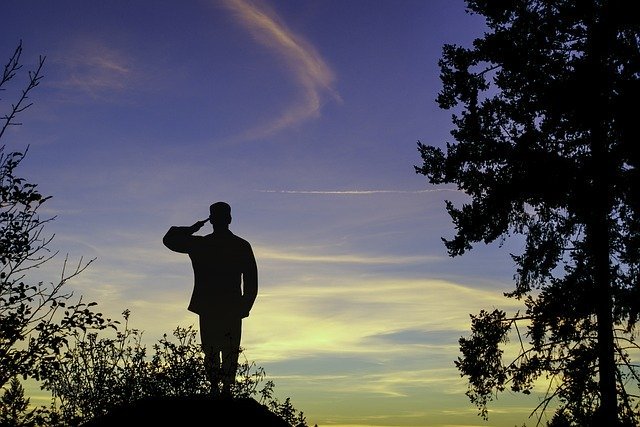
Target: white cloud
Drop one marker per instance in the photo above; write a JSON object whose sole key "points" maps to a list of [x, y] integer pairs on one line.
{"points": [[94, 68], [309, 70], [271, 254]]}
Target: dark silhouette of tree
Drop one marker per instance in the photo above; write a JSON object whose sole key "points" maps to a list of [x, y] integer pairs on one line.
{"points": [[14, 407], [35, 318], [546, 146]]}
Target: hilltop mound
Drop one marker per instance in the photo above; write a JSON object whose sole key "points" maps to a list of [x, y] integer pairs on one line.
{"points": [[190, 411]]}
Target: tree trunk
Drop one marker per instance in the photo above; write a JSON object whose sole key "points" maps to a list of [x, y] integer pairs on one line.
{"points": [[602, 34], [606, 361]]}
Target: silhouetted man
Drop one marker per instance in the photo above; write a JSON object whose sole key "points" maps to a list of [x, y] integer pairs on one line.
{"points": [[225, 288]]}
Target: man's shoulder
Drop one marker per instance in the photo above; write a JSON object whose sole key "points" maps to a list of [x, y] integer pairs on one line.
{"points": [[228, 236], [241, 240]]}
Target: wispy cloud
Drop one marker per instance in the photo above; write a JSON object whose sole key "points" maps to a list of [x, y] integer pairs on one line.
{"points": [[309, 70], [358, 192], [293, 256], [340, 317], [392, 383], [93, 67]]}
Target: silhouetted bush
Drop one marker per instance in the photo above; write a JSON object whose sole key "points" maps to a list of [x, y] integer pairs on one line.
{"points": [[14, 407], [94, 375]]}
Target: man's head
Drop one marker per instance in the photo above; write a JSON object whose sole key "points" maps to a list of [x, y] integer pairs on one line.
{"points": [[220, 214]]}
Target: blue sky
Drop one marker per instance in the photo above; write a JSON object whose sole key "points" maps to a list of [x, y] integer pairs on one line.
{"points": [[304, 116]]}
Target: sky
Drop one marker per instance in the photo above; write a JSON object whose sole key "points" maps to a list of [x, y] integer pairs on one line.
{"points": [[304, 116]]}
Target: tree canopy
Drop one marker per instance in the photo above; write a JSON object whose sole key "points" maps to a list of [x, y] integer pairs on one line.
{"points": [[545, 145]]}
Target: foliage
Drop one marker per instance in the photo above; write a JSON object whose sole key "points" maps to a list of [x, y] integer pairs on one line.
{"points": [[14, 407], [35, 318], [16, 410], [95, 375], [287, 412], [544, 148]]}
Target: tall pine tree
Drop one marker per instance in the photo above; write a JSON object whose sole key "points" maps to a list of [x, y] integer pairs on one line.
{"points": [[546, 146]]}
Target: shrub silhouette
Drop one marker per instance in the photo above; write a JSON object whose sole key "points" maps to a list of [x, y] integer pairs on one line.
{"points": [[14, 407], [95, 375]]}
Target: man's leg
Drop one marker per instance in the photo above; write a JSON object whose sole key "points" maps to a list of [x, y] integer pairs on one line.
{"points": [[230, 354], [212, 350]]}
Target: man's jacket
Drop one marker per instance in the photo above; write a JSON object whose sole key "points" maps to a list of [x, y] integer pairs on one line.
{"points": [[225, 271]]}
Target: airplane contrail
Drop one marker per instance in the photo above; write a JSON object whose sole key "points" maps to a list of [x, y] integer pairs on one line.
{"points": [[359, 192]]}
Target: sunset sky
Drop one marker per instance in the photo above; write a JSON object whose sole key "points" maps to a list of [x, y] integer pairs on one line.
{"points": [[304, 116]]}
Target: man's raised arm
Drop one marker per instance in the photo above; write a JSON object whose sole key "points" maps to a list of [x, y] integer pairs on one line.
{"points": [[177, 238]]}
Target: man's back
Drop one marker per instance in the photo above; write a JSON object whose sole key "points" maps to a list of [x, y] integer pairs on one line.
{"points": [[222, 262]]}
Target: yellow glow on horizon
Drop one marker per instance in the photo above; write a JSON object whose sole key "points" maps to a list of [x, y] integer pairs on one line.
{"points": [[296, 320]]}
